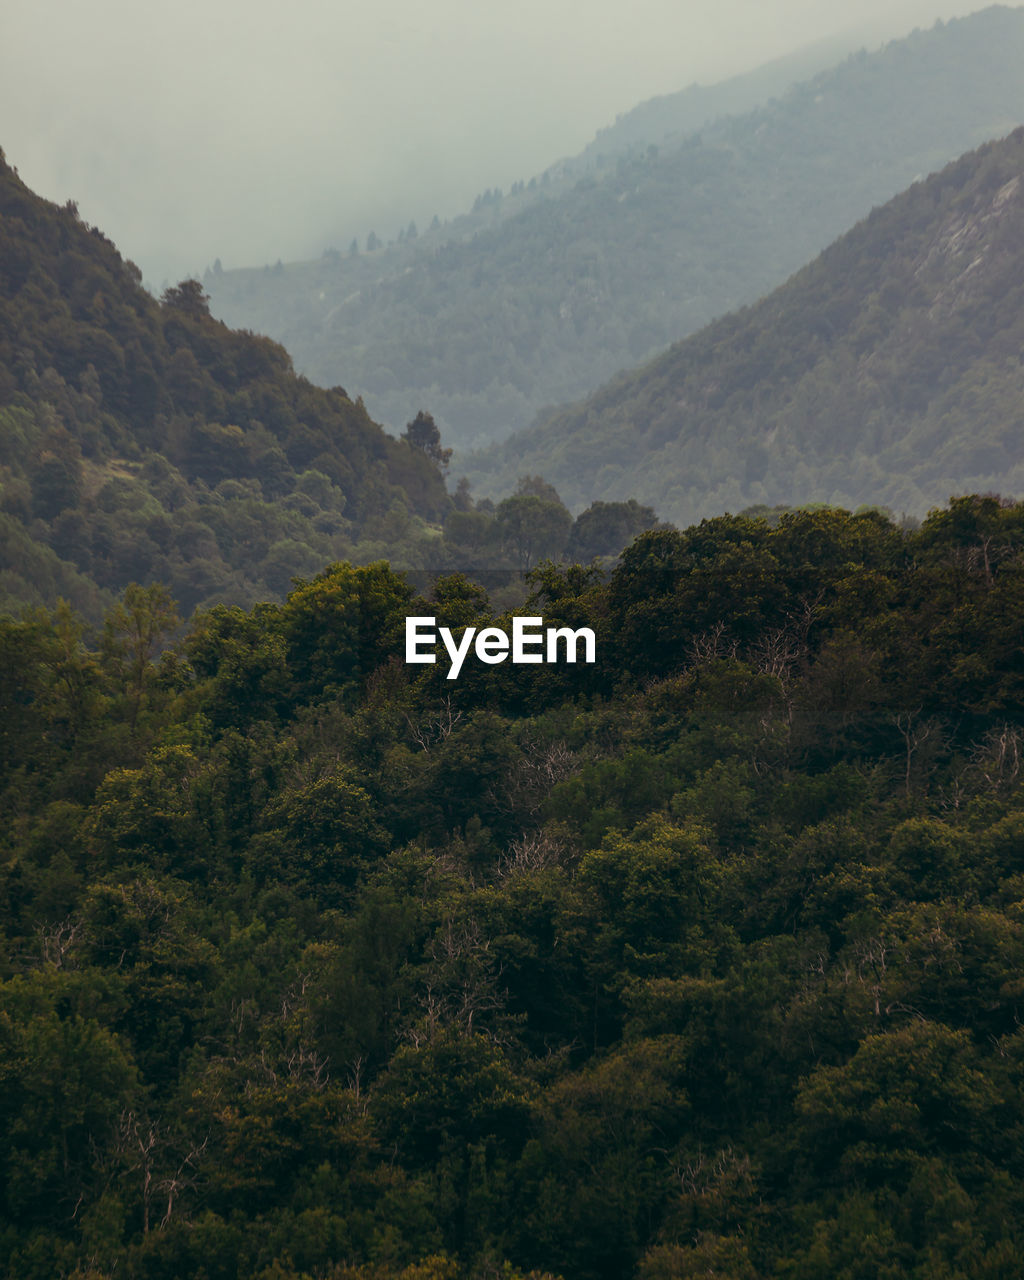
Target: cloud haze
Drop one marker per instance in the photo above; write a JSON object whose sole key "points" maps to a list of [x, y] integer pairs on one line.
{"points": [[257, 131]]}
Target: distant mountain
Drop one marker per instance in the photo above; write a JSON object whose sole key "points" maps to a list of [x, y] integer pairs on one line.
{"points": [[888, 371], [487, 320], [147, 441], [672, 116]]}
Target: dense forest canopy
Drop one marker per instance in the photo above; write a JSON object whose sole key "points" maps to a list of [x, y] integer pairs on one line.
{"points": [[544, 291], [887, 371], [700, 960]]}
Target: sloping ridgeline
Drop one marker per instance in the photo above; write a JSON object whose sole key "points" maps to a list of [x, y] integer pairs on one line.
{"points": [[141, 440], [544, 306], [888, 371]]}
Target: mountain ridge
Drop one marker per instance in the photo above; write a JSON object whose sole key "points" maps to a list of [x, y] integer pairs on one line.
{"points": [[539, 308], [144, 440], [886, 371]]}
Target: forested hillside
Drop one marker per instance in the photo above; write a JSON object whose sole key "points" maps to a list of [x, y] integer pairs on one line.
{"points": [[486, 324], [145, 440], [888, 371], [670, 117], [702, 960]]}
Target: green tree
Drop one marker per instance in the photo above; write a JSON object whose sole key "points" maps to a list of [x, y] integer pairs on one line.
{"points": [[422, 433], [605, 528], [189, 297], [133, 633], [532, 528]]}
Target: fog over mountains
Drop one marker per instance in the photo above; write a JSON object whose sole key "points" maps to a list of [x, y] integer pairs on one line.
{"points": [[255, 132], [541, 293]]}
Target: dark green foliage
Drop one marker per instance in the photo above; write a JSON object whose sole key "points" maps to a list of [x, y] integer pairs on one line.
{"points": [[422, 433], [145, 441], [704, 959], [606, 527]]}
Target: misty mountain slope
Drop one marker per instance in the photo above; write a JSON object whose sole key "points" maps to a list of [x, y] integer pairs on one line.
{"points": [[887, 371], [671, 116], [146, 441], [544, 305]]}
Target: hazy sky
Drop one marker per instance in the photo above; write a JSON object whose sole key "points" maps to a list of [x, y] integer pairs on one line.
{"points": [[253, 131]]}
